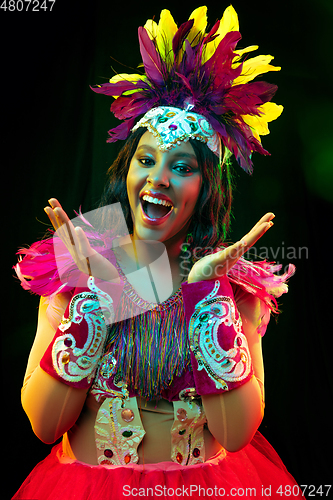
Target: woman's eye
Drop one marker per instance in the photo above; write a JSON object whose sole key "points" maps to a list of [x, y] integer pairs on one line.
{"points": [[183, 169], [148, 162]]}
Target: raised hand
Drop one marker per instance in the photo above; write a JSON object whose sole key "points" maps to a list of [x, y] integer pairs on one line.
{"points": [[217, 264], [85, 257]]}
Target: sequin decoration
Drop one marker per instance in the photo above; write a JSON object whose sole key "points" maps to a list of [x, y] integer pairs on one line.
{"points": [[100, 388], [108, 365], [65, 358], [187, 442]]}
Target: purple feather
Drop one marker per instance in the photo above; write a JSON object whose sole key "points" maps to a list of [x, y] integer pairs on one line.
{"points": [[217, 125], [263, 90], [180, 35], [222, 58], [189, 59], [151, 59], [236, 141], [245, 99], [185, 81], [211, 35], [132, 105], [121, 132], [224, 80]]}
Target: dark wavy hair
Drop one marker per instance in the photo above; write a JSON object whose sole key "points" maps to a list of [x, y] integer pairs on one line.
{"points": [[211, 218]]}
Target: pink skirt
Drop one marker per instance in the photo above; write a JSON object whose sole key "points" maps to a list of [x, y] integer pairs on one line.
{"points": [[255, 471]]}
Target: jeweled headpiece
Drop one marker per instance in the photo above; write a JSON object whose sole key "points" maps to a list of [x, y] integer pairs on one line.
{"points": [[196, 85], [172, 125]]}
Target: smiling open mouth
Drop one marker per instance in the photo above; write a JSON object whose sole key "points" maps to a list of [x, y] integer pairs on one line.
{"points": [[155, 208]]}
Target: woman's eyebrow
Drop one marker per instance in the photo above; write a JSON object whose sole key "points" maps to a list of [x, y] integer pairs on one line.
{"points": [[180, 154], [145, 147]]}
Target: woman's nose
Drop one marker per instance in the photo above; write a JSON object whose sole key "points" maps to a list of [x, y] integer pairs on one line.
{"points": [[158, 175]]}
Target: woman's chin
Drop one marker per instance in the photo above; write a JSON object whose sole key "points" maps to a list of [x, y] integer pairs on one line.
{"points": [[154, 233], [163, 231]]}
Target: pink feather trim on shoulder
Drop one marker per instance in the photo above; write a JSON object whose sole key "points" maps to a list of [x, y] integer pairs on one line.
{"points": [[258, 278], [37, 266], [37, 269]]}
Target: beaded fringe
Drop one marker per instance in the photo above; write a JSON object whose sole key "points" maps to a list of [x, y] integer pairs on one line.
{"points": [[151, 348]]}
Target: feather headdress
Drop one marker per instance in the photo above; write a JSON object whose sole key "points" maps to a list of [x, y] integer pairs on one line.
{"points": [[187, 68]]}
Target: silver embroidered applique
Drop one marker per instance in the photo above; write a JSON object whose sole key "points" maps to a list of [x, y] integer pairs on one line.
{"points": [[71, 362], [221, 366]]}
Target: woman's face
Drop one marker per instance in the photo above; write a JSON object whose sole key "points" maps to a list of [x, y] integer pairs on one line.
{"points": [[163, 188]]}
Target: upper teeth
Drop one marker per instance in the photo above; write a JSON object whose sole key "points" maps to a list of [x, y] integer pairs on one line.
{"points": [[157, 201]]}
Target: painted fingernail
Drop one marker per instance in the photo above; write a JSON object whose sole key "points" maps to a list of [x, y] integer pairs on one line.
{"points": [[243, 243], [50, 202]]}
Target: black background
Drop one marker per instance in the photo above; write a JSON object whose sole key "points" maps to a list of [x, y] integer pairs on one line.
{"points": [[53, 132]]}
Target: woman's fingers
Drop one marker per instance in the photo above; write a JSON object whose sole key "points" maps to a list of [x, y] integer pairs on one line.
{"points": [[66, 232], [255, 234], [218, 264], [54, 203], [266, 218], [52, 217], [230, 255], [74, 238], [61, 223], [66, 229]]}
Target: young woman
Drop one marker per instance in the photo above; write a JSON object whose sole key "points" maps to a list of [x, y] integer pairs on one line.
{"points": [[152, 371]]}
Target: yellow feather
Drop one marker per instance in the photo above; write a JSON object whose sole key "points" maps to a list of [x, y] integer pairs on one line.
{"points": [[251, 48], [129, 78], [163, 33], [166, 31], [259, 124], [151, 28], [254, 67], [199, 16], [229, 22]]}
